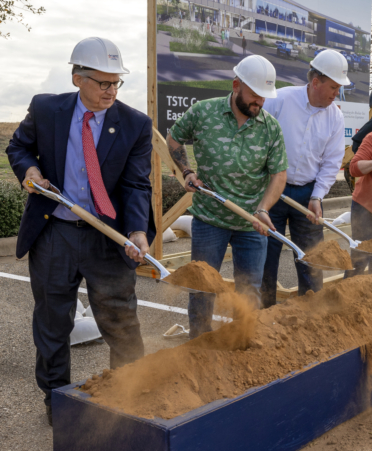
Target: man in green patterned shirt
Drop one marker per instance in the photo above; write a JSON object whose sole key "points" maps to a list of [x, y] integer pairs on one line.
{"points": [[240, 153]]}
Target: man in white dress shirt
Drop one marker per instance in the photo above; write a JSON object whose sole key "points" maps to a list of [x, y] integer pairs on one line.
{"points": [[314, 135]]}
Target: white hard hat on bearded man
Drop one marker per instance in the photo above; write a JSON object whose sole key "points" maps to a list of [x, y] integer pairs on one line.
{"points": [[259, 74], [99, 54], [333, 65]]}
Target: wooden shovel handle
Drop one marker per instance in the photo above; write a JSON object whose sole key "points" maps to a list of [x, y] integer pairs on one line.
{"points": [[300, 208], [239, 211], [171, 330], [99, 225]]}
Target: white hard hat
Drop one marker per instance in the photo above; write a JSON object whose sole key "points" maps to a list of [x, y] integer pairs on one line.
{"points": [[259, 74], [99, 54], [333, 65]]}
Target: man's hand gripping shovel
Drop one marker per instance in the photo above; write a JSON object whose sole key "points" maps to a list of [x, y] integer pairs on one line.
{"points": [[250, 218], [55, 194]]}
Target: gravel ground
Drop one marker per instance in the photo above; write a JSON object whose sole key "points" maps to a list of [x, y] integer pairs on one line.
{"points": [[23, 424]]}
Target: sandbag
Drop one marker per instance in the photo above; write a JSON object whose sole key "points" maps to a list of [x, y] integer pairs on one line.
{"points": [[169, 235], [345, 218], [183, 223]]}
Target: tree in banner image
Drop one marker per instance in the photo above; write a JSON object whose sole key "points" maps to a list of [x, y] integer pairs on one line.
{"points": [[14, 10]]}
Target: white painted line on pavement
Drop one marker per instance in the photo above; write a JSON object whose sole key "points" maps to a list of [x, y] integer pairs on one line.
{"points": [[12, 276], [154, 305]]}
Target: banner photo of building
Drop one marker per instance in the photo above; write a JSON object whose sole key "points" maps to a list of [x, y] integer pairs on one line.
{"points": [[199, 43]]}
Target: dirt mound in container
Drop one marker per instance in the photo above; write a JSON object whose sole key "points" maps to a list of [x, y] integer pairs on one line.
{"points": [[255, 349], [329, 253], [199, 276], [365, 246]]}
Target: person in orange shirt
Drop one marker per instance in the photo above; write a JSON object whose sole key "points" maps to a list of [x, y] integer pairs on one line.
{"points": [[361, 207]]}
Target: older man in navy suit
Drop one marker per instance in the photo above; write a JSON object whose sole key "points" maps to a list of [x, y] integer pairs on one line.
{"points": [[97, 151]]}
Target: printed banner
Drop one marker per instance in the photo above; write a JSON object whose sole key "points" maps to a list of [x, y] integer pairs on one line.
{"points": [[199, 43]]}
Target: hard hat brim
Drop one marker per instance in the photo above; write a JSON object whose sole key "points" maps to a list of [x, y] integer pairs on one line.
{"points": [[272, 94], [124, 70], [340, 81], [267, 95]]}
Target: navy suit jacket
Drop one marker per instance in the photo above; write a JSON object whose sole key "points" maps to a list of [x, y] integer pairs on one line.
{"points": [[124, 157]]}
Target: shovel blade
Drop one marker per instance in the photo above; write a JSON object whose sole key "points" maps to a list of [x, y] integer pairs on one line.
{"points": [[317, 266], [188, 290]]}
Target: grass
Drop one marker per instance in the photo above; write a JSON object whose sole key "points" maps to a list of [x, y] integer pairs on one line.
{"points": [[266, 44], [161, 27], [6, 132], [177, 32], [190, 155], [4, 163], [211, 38], [279, 38], [305, 58], [181, 47], [221, 85], [162, 9], [282, 84]]}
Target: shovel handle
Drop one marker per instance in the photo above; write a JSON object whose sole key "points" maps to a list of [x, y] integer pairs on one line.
{"points": [[231, 206], [171, 330], [239, 211], [299, 207], [98, 224]]}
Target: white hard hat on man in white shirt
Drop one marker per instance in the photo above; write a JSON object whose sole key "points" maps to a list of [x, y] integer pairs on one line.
{"points": [[259, 74], [333, 65]]}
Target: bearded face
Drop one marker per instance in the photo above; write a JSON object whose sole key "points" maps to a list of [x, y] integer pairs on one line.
{"points": [[250, 110]]}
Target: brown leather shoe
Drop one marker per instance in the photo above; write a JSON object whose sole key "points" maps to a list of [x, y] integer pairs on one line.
{"points": [[49, 415]]}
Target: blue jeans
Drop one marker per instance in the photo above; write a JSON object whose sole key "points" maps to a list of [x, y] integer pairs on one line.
{"points": [[361, 228], [303, 233], [209, 244]]}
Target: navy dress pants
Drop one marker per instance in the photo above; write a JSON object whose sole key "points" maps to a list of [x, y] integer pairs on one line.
{"points": [[303, 233], [59, 259], [361, 229]]}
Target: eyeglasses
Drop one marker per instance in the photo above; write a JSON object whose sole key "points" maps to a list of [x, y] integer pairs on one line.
{"points": [[105, 85]]}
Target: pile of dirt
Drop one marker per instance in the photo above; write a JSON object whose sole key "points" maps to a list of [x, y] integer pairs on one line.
{"points": [[329, 253], [199, 276], [255, 349], [365, 246]]}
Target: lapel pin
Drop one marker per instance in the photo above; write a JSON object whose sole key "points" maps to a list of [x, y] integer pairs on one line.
{"points": [[111, 130]]}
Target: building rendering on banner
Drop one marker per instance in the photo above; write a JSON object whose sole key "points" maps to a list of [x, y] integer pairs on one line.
{"points": [[283, 18]]}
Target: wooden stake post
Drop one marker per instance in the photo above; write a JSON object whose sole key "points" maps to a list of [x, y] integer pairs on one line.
{"points": [[160, 149], [152, 111], [161, 154]]}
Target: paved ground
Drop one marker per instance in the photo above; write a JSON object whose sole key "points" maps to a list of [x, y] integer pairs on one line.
{"points": [[23, 423]]}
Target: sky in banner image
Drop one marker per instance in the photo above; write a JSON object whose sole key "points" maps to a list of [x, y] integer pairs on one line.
{"points": [[36, 62], [199, 43]]}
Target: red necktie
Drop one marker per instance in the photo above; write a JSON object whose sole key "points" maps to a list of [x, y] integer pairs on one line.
{"points": [[102, 202]]}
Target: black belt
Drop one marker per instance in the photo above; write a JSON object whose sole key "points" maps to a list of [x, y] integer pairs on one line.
{"points": [[77, 223], [299, 186]]}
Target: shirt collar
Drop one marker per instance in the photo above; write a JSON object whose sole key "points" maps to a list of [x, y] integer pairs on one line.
{"points": [[307, 103], [227, 109], [227, 104], [99, 116]]}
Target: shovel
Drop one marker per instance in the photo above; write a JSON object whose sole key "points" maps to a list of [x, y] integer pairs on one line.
{"points": [[250, 218], [353, 244], [181, 330], [55, 194]]}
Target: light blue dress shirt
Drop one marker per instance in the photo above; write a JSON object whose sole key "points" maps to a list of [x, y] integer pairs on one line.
{"points": [[76, 185]]}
